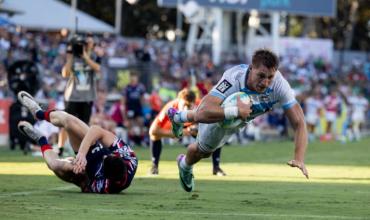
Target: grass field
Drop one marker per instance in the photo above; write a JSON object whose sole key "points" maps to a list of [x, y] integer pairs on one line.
{"points": [[259, 186]]}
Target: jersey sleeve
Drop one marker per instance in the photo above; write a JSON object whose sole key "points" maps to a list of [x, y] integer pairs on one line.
{"points": [[285, 94], [228, 84]]}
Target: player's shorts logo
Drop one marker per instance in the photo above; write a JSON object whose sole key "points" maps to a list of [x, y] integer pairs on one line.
{"points": [[223, 86]]}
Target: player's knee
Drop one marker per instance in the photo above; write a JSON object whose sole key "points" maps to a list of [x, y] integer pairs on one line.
{"points": [[206, 155], [154, 137], [198, 150], [69, 120], [152, 132], [53, 165]]}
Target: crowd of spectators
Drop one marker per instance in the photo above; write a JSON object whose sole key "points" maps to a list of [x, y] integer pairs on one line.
{"points": [[163, 69]]}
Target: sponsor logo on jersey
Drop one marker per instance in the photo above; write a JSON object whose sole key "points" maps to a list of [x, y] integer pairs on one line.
{"points": [[264, 98], [223, 86]]}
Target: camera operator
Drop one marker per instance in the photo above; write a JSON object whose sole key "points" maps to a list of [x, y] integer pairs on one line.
{"points": [[81, 68]]}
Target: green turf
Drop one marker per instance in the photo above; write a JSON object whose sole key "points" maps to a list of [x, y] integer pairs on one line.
{"points": [[259, 186]]}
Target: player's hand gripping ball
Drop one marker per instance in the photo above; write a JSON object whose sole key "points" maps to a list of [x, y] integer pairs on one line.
{"points": [[232, 101]]}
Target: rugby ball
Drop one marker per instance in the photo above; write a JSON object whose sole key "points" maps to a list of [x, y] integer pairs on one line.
{"points": [[232, 101]]}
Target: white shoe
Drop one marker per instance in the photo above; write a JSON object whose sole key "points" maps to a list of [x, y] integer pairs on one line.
{"points": [[29, 102], [29, 131]]}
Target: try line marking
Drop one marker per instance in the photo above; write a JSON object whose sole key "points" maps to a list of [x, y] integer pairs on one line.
{"points": [[226, 214], [262, 215], [25, 193]]}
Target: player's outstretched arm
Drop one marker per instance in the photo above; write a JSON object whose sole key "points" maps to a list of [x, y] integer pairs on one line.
{"points": [[296, 118], [94, 134]]}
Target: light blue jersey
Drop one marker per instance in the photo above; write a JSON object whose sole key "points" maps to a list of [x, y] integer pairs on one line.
{"points": [[278, 94]]}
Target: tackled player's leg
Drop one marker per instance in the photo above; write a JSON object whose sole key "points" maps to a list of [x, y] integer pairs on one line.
{"points": [[75, 128], [63, 168]]}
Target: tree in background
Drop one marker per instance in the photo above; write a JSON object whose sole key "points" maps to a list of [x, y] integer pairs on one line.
{"points": [[349, 30], [143, 19]]}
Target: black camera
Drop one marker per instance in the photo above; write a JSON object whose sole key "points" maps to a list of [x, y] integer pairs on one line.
{"points": [[77, 45]]}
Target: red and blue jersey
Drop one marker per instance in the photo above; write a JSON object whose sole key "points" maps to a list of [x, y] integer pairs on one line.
{"points": [[98, 183]]}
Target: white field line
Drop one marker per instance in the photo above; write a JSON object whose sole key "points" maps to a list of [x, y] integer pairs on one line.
{"points": [[217, 214], [262, 215], [25, 193]]}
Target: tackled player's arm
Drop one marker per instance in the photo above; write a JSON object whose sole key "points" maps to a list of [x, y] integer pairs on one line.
{"points": [[94, 134], [296, 118]]}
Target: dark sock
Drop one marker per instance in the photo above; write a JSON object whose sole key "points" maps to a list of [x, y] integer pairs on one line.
{"points": [[216, 158], [40, 115], [61, 150], [43, 141], [156, 149], [43, 115], [45, 147]]}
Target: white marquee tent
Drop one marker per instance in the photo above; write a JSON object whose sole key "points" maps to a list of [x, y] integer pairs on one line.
{"points": [[53, 15]]}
